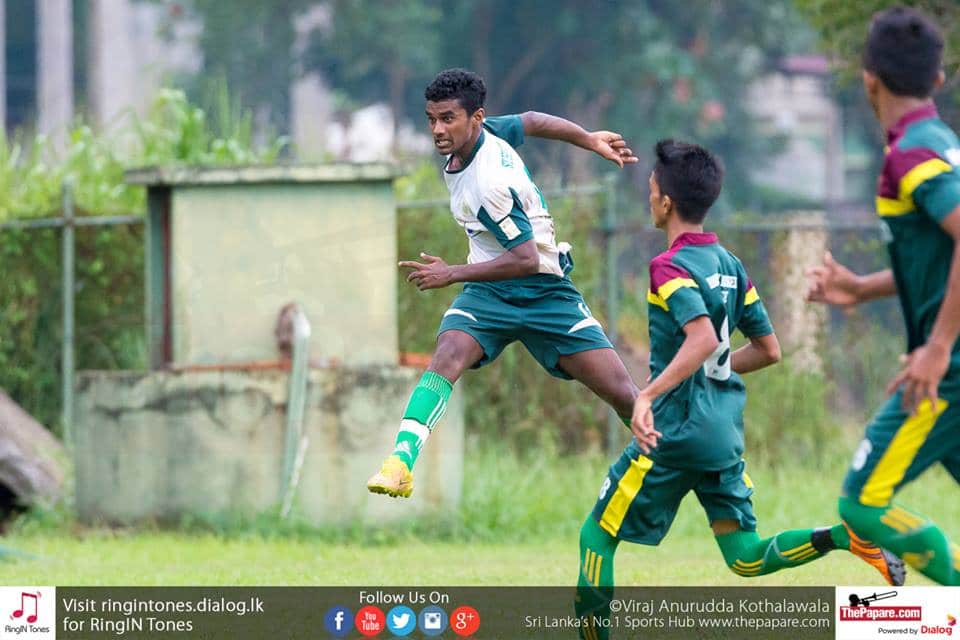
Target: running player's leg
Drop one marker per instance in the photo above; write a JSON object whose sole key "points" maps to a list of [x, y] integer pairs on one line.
{"points": [[897, 448], [725, 496], [637, 503]]}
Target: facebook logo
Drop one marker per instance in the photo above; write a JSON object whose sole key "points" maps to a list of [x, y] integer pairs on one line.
{"points": [[338, 621]]}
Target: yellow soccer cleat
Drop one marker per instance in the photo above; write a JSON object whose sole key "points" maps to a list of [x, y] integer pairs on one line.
{"points": [[393, 479], [890, 566]]}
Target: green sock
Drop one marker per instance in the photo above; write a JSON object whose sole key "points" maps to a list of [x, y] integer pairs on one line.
{"points": [[595, 584], [913, 537], [749, 556], [425, 408]]}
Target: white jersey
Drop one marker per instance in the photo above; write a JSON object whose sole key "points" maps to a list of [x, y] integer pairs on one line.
{"points": [[496, 202]]}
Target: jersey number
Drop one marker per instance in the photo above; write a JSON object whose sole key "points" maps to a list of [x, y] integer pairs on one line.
{"points": [[717, 366]]}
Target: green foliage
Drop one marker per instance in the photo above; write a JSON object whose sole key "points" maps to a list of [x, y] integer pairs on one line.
{"points": [[249, 43], [842, 27], [109, 260]]}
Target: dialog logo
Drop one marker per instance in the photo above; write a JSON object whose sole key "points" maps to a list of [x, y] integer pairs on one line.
{"points": [[433, 621], [370, 621], [401, 621], [337, 621]]}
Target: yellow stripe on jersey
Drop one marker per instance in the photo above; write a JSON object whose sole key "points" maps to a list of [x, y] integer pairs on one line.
{"points": [[653, 298], [888, 473], [903, 204], [596, 571], [668, 288], [920, 174], [751, 297], [888, 207], [627, 490], [747, 480]]}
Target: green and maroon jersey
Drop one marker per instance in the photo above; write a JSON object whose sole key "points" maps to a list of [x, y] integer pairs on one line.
{"points": [[918, 187], [701, 419]]}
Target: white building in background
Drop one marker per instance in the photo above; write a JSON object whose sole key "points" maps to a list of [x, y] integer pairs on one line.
{"points": [[127, 60], [796, 103]]}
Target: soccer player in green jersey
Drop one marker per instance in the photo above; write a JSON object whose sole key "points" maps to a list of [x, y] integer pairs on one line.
{"points": [[699, 294], [918, 200], [517, 275]]}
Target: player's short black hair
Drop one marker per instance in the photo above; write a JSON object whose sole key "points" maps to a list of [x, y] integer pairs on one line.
{"points": [[904, 49], [466, 87], [690, 175]]}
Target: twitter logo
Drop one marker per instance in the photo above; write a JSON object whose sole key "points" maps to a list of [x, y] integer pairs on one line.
{"points": [[401, 621]]}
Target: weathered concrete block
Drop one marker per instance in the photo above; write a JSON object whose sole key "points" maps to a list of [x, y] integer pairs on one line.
{"points": [[164, 445]]}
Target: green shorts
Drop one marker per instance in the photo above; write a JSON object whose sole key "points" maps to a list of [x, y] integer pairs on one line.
{"points": [[544, 312], [898, 447], [639, 498]]}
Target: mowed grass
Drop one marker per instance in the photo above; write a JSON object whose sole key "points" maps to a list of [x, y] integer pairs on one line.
{"points": [[518, 526]]}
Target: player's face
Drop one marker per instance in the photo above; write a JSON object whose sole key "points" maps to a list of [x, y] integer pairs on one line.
{"points": [[658, 204], [452, 128]]}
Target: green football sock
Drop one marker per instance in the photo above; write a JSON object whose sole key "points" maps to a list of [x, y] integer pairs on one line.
{"points": [[913, 537], [425, 408], [749, 556], [595, 584]]}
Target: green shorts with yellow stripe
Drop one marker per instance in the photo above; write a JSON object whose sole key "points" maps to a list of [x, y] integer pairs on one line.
{"points": [[639, 498], [898, 447]]}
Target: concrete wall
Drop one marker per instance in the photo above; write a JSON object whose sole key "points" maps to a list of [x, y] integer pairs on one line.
{"points": [[161, 445], [240, 252]]}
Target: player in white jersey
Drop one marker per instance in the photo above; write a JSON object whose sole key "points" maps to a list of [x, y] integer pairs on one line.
{"points": [[516, 277]]}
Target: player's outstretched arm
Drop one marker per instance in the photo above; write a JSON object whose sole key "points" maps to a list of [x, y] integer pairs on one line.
{"points": [[925, 366], [435, 273], [698, 345], [761, 352], [606, 144], [832, 283]]}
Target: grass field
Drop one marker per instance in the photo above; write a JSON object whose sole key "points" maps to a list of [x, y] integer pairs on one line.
{"points": [[520, 530]]}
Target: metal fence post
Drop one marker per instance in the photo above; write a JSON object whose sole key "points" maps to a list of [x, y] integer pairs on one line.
{"points": [[68, 284], [614, 425]]}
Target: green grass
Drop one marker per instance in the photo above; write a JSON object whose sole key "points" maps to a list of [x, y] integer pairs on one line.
{"points": [[520, 532]]}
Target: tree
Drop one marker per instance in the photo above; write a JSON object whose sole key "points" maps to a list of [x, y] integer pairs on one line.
{"points": [[649, 68], [842, 27]]}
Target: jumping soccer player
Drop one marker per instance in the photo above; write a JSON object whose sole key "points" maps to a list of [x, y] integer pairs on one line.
{"points": [[699, 294], [918, 200], [517, 276]]}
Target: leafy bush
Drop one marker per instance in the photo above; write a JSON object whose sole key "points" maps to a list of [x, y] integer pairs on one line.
{"points": [[109, 260]]}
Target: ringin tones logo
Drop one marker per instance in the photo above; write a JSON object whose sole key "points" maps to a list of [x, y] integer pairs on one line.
{"points": [[30, 612]]}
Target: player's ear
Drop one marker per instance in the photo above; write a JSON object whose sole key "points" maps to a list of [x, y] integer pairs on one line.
{"points": [[870, 81], [478, 116], [940, 79], [667, 203]]}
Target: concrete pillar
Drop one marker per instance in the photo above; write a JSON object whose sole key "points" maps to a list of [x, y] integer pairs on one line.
{"points": [[311, 104], [112, 60], [54, 68], [800, 325]]}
